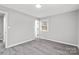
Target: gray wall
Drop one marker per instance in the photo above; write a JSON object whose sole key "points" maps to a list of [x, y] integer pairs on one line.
{"points": [[1, 27], [21, 27], [62, 28]]}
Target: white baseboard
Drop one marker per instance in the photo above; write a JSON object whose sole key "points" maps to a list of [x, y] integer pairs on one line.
{"points": [[19, 43], [61, 42], [45, 39]]}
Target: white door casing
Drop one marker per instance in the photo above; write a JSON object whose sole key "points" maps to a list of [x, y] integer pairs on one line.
{"points": [[4, 27]]}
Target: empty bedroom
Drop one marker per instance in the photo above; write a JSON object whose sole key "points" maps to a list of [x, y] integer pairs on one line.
{"points": [[39, 29]]}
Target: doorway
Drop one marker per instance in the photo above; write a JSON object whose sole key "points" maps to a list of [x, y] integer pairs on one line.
{"points": [[37, 28]]}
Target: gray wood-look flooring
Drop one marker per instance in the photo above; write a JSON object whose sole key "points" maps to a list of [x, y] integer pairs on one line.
{"points": [[39, 47]]}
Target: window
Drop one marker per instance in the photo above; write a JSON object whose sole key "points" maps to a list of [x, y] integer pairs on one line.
{"points": [[44, 26]]}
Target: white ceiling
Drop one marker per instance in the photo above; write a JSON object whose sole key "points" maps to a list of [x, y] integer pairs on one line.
{"points": [[46, 10]]}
